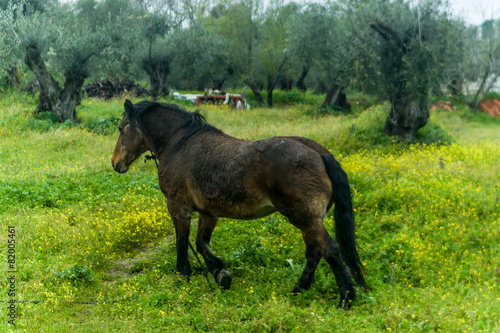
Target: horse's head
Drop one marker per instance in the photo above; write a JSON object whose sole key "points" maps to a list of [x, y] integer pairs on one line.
{"points": [[131, 143]]}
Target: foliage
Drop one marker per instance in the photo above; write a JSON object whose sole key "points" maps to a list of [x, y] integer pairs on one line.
{"points": [[9, 39], [92, 33], [481, 65], [103, 125], [240, 25], [409, 55], [318, 36], [288, 98], [427, 224], [433, 133], [492, 95], [272, 50], [76, 275], [199, 57], [50, 116]]}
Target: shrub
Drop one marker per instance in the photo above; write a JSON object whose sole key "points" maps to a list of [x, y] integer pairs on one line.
{"points": [[76, 275], [48, 115], [102, 125], [433, 133]]}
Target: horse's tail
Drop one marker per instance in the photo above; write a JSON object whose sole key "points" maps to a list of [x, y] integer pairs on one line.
{"points": [[344, 218]]}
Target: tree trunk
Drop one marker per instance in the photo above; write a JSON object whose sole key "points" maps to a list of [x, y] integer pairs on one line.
{"points": [[158, 73], [409, 110], [300, 83], [14, 76], [455, 87], [270, 87], [49, 88], [217, 84], [157, 80], [270, 97], [405, 119], [52, 98], [70, 98], [256, 92], [336, 96], [272, 80], [331, 95]]}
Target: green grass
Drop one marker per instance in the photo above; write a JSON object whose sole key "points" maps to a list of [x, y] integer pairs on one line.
{"points": [[97, 247], [467, 126]]}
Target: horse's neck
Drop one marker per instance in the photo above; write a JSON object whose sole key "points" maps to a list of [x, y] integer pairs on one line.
{"points": [[162, 132]]}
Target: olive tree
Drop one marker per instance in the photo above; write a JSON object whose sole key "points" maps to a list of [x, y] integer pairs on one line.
{"points": [[481, 65], [272, 44], [239, 24], [9, 38], [199, 57], [13, 14], [59, 46], [305, 34], [156, 55], [153, 49], [410, 47], [319, 38]]}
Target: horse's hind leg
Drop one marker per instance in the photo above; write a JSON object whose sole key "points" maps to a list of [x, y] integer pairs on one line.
{"points": [[342, 276], [206, 225], [314, 239], [320, 244]]}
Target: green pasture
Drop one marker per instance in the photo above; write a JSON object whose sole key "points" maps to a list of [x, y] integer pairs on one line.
{"points": [[95, 250]]}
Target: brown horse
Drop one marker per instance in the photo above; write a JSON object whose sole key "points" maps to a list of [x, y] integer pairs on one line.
{"points": [[203, 170]]}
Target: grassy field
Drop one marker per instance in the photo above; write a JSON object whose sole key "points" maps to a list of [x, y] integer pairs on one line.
{"points": [[95, 249]]}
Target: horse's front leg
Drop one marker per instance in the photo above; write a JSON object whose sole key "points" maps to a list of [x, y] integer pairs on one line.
{"points": [[181, 217], [206, 225]]}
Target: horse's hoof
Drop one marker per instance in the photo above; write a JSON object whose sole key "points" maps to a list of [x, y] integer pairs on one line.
{"points": [[223, 279]]}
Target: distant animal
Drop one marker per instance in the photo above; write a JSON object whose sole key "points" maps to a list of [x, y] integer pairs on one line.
{"points": [[201, 169], [241, 101]]}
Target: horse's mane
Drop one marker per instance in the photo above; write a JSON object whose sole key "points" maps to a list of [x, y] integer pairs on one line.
{"points": [[194, 121]]}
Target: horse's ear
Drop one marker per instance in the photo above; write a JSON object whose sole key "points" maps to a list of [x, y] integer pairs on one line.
{"points": [[129, 107]]}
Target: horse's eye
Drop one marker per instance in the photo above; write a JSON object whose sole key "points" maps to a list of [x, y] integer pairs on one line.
{"points": [[120, 128]]}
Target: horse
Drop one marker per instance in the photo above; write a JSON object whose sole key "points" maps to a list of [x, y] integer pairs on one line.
{"points": [[202, 169]]}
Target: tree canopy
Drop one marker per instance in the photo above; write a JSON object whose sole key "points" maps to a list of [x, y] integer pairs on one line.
{"points": [[399, 50]]}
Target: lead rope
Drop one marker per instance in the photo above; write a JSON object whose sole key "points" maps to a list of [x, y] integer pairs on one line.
{"points": [[153, 157], [201, 264]]}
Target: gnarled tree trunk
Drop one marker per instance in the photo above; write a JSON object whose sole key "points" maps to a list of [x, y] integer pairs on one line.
{"points": [[336, 96], [300, 83], [409, 109], [256, 91], [62, 102], [14, 76], [158, 69], [406, 118]]}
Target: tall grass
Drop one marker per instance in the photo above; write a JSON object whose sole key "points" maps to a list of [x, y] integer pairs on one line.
{"points": [[96, 248]]}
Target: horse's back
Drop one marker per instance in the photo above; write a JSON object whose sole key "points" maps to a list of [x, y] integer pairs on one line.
{"points": [[228, 177]]}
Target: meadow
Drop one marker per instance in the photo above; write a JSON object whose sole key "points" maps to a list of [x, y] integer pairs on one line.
{"points": [[95, 250]]}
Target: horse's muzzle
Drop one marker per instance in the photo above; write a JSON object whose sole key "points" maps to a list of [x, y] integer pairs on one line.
{"points": [[118, 167]]}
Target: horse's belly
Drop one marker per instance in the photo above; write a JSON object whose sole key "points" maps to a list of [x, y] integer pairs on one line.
{"points": [[260, 212], [243, 211]]}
